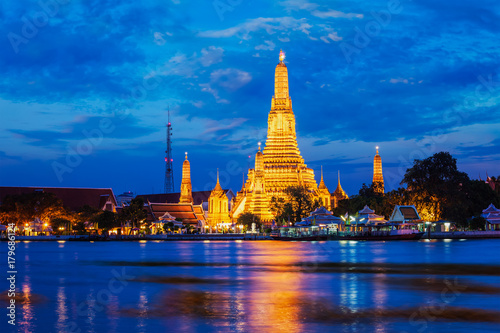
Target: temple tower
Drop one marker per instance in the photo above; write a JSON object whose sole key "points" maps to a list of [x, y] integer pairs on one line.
{"points": [[218, 208], [339, 194], [283, 164], [378, 178], [186, 188], [280, 164], [323, 192], [258, 201]]}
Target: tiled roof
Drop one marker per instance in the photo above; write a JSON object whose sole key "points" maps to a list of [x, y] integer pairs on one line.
{"points": [[190, 214], [198, 197], [72, 197]]}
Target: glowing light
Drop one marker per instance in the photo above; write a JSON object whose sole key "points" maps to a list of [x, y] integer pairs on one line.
{"points": [[282, 55], [376, 147]]}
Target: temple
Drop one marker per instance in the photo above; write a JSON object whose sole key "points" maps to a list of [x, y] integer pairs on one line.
{"points": [[279, 165], [339, 194], [218, 206], [378, 178], [186, 187]]}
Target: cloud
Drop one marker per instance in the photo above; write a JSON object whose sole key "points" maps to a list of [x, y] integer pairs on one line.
{"points": [[399, 80], [206, 87], [83, 127], [211, 56], [269, 24], [268, 46], [299, 5], [331, 36], [336, 14], [230, 78]]}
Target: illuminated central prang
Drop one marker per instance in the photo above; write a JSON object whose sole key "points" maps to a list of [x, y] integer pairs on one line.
{"points": [[280, 164]]}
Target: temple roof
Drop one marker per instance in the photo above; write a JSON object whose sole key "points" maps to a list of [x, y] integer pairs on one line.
{"points": [[321, 211], [491, 209], [339, 192], [322, 185], [72, 197], [366, 210], [217, 187], [189, 213]]}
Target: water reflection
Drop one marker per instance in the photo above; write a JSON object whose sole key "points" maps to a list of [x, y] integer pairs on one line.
{"points": [[28, 317], [257, 286], [62, 308]]}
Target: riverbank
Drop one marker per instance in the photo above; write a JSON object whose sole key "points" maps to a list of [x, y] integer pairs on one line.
{"points": [[171, 237], [231, 237]]}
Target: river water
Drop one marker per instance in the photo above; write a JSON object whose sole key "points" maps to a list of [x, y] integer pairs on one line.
{"points": [[256, 286]]}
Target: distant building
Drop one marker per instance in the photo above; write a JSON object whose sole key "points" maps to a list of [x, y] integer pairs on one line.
{"points": [[186, 187], [378, 178], [191, 215], [339, 194], [492, 217], [324, 193], [124, 199], [405, 214], [320, 217], [369, 217], [494, 183], [218, 206], [73, 198]]}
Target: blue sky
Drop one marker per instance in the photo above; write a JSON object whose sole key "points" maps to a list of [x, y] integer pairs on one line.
{"points": [[85, 87]]}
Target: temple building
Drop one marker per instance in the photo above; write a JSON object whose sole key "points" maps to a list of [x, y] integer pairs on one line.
{"points": [[324, 194], [218, 206], [378, 178], [186, 187], [280, 164], [339, 194]]}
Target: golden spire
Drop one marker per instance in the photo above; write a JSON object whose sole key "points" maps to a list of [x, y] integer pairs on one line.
{"points": [[217, 186], [186, 188], [322, 183], [339, 191], [378, 177]]}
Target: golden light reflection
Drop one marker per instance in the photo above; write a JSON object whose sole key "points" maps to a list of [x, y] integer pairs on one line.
{"points": [[27, 320], [62, 309]]}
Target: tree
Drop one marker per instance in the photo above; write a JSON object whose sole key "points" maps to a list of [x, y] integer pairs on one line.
{"points": [[107, 220], [134, 212], [24, 208], [299, 203], [247, 219], [64, 224], [477, 223], [436, 186], [382, 204]]}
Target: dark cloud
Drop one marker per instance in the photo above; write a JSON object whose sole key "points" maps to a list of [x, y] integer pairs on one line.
{"points": [[126, 127]]}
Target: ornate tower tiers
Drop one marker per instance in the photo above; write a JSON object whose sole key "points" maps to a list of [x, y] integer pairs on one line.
{"points": [[283, 164], [280, 164]]}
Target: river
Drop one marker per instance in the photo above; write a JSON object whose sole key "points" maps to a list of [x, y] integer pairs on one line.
{"points": [[256, 286]]}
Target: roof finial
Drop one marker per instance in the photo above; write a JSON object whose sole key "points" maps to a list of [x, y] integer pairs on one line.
{"points": [[186, 155], [217, 175], [339, 176], [321, 173], [259, 146], [282, 55], [377, 149]]}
